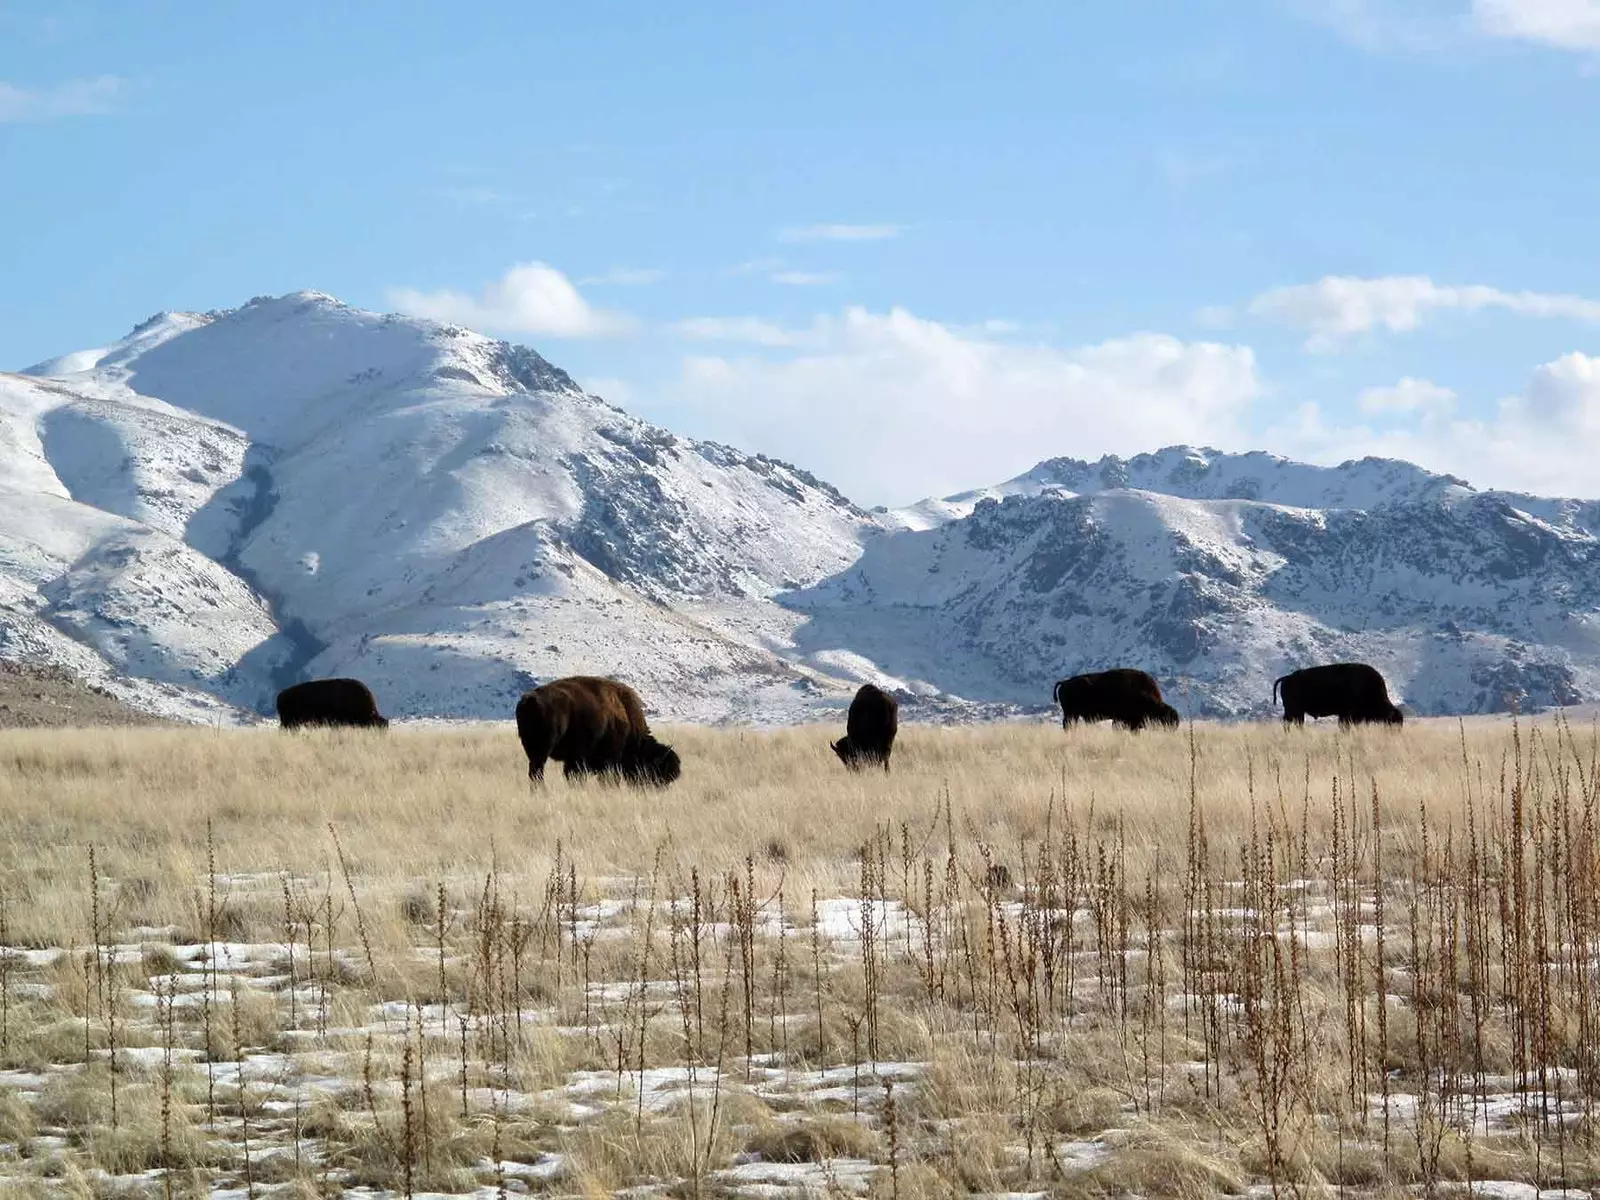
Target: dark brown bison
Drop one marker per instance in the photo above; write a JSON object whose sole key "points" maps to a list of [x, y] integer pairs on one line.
{"points": [[329, 702], [1353, 692], [869, 729], [1124, 696], [593, 726]]}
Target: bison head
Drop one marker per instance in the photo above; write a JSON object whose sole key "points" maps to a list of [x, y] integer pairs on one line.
{"points": [[1394, 716], [850, 754], [652, 763], [1165, 714]]}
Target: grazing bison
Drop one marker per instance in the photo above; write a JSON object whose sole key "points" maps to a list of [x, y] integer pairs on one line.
{"points": [[1163, 713], [329, 702], [1353, 692], [593, 726], [869, 729], [1124, 696]]}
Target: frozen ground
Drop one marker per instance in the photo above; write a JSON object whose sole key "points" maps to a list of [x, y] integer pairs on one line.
{"points": [[520, 1070]]}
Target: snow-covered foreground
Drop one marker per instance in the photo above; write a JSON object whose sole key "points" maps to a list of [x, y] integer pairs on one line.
{"points": [[221, 503], [983, 1038]]}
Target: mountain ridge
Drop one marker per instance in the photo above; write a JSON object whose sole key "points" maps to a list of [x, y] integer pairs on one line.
{"points": [[221, 502]]}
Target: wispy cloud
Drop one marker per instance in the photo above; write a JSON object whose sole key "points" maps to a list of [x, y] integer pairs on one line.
{"points": [[802, 278], [1338, 307], [1388, 25], [755, 266], [1410, 395], [626, 277], [751, 330], [530, 298], [75, 98], [776, 270], [1564, 24], [840, 233]]}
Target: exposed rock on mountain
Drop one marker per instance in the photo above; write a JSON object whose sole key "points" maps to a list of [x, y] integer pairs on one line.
{"points": [[225, 502]]}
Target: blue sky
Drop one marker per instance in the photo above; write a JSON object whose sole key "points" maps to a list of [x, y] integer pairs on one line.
{"points": [[913, 247]]}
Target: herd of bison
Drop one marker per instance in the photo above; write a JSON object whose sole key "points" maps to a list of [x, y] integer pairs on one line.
{"points": [[595, 726]]}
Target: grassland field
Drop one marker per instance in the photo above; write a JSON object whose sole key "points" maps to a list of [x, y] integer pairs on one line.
{"points": [[1225, 959]]}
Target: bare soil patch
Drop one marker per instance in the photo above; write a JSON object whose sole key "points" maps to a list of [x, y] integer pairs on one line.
{"points": [[43, 697]]}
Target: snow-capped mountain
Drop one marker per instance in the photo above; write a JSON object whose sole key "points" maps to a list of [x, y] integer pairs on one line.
{"points": [[227, 501], [1466, 601], [221, 503]]}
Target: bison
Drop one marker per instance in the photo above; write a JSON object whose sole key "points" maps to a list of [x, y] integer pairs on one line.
{"points": [[1353, 692], [330, 702], [593, 726], [869, 729], [1124, 696]]}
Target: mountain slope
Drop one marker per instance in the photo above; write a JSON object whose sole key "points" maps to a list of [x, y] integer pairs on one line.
{"points": [[445, 515], [1467, 601], [221, 503]]}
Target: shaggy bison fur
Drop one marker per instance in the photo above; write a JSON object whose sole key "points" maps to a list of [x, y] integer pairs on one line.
{"points": [[1353, 692], [1124, 696], [873, 721], [593, 726], [329, 702]]}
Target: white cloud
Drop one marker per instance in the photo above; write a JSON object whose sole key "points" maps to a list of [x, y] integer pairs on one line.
{"points": [[1420, 396], [1563, 397], [1540, 440], [841, 233], [892, 407], [1338, 307], [802, 278], [754, 330], [1565, 24], [74, 98], [627, 277], [530, 298]]}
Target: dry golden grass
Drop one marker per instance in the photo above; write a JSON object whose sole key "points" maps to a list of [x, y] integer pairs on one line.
{"points": [[1160, 945], [417, 805]]}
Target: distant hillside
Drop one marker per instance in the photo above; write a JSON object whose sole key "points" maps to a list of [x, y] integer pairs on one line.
{"points": [[221, 503]]}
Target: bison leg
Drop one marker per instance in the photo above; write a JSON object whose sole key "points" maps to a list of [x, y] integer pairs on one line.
{"points": [[537, 745]]}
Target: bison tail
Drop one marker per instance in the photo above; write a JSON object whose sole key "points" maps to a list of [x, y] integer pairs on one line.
{"points": [[1055, 693], [1275, 684]]}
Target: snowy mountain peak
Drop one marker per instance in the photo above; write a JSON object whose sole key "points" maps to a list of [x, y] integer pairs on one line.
{"points": [[223, 502], [383, 491], [1203, 473]]}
